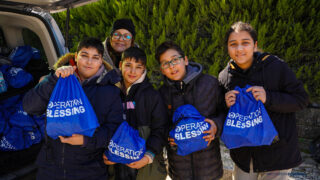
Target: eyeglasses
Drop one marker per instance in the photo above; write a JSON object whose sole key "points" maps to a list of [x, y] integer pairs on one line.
{"points": [[117, 36], [173, 62]]}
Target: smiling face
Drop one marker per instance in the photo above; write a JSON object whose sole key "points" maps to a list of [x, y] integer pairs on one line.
{"points": [[88, 62], [131, 71], [173, 72], [120, 45], [241, 47]]}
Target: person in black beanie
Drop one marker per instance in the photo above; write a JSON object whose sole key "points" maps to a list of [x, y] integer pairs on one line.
{"points": [[121, 38]]}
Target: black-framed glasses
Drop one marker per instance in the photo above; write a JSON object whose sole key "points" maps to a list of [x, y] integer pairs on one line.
{"points": [[173, 62], [117, 36]]}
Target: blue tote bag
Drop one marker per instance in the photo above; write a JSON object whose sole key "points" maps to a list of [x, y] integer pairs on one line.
{"points": [[188, 130], [247, 123], [126, 146], [69, 110]]}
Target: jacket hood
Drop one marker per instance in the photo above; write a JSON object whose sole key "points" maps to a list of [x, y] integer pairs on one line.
{"points": [[109, 75], [140, 80], [193, 71], [261, 60], [141, 85]]}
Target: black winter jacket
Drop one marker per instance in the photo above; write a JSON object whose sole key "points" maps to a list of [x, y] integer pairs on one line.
{"points": [[150, 117], [57, 160], [284, 96], [203, 92]]}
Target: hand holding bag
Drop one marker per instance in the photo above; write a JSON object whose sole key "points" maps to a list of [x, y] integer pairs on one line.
{"points": [[247, 123], [69, 110], [126, 146], [188, 130]]}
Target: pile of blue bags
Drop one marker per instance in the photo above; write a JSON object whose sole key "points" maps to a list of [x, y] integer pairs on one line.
{"points": [[18, 130]]}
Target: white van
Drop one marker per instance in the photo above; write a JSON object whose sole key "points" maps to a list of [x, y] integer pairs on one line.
{"points": [[28, 22]]}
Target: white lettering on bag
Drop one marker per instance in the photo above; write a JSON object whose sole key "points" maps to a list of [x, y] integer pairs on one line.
{"points": [[6, 144], [240, 121], [124, 152], [191, 130], [66, 108]]}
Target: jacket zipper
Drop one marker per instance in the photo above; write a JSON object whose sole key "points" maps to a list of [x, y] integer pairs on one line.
{"points": [[192, 168], [62, 162], [181, 88]]}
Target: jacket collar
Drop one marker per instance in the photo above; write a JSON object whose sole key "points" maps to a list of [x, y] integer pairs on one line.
{"points": [[140, 80], [193, 71], [105, 75]]}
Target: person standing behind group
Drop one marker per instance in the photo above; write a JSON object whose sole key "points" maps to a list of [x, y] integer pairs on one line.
{"points": [[79, 156], [275, 85], [122, 37], [184, 83], [146, 112]]}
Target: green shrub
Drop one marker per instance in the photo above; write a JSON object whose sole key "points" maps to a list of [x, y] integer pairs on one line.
{"points": [[289, 29]]}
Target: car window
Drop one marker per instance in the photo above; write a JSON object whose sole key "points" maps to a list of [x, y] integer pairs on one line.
{"points": [[2, 40], [30, 38]]}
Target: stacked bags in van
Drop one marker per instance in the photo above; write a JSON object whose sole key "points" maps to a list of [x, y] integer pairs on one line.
{"points": [[18, 130]]}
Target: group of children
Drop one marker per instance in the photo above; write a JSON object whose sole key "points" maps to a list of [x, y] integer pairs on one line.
{"points": [[150, 111]]}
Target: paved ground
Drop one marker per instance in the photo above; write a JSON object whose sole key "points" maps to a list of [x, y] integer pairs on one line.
{"points": [[308, 170]]}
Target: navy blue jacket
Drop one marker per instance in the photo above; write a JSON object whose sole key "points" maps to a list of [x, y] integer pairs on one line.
{"points": [[57, 160], [285, 95]]}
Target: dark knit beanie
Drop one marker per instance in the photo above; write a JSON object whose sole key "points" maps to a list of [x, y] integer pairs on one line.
{"points": [[124, 24]]}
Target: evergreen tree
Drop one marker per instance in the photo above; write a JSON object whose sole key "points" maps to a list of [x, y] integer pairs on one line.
{"points": [[289, 29]]}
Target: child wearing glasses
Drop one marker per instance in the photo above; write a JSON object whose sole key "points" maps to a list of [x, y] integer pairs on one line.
{"points": [[184, 83], [146, 112], [121, 38]]}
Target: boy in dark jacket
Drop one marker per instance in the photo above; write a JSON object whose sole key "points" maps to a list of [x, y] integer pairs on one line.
{"points": [[146, 112], [275, 85], [78, 156], [185, 83]]}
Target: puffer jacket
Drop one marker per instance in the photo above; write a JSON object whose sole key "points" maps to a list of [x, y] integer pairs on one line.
{"points": [[203, 92], [58, 160], [284, 96], [146, 112]]}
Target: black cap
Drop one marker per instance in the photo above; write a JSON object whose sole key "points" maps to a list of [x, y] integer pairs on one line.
{"points": [[124, 24]]}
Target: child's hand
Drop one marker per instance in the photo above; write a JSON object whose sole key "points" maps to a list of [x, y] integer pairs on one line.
{"points": [[139, 164], [230, 97], [258, 93], [75, 139], [106, 160], [212, 131], [171, 142], [65, 71]]}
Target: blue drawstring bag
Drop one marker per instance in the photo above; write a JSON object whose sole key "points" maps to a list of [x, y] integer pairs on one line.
{"points": [[35, 54], [10, 102], [40, 122], [69, 110], [126, 146], [21, 55], [21, 119], [16, 138], [188, 130], [3, 85], [247, 123], [3, 123], [16, 77]]}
